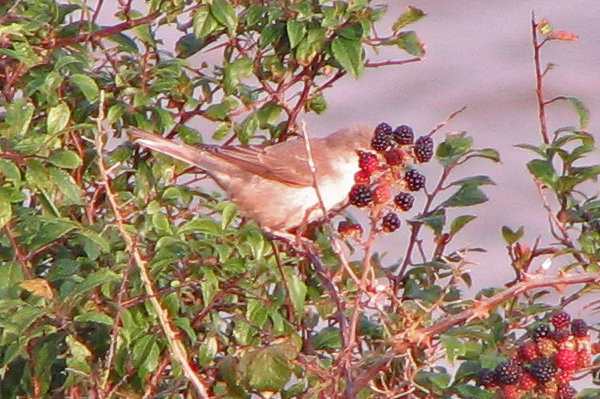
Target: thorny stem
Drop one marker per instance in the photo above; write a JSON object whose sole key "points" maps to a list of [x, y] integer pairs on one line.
{"points": [[406, 340], [176, 348], [539, 90]]}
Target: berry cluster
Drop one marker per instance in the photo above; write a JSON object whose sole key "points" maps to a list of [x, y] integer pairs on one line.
{"points": [[545, 362], [386, 168]]}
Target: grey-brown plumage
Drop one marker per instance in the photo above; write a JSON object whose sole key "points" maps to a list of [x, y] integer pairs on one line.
{"points": [[273, 184]]}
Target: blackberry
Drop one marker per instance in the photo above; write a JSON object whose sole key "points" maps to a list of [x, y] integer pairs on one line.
{"points": [[404, 201], [508, 372], [566, 392], [395, 156], [566, 359], [542, 370], [390, 222], [383, 128], [528, 351], [414, 180], [561, 319], [382, 194], [352, 230], [360, 195], [487, 378], [579, 328], [381, 141], [541, 331], [423, 149], [362, 177], [368, 161], [561, 335], [527, 382], [403, 135]]}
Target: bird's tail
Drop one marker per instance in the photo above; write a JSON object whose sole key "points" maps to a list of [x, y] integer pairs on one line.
{"points": [[182, 152]]}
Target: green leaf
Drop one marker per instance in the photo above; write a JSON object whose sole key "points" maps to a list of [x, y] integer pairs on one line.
{"points": [[296, 31], [94, 317], [460, 222], [297, 291], [411, 15], [87, 85], [349, 54], [67, 159], [189, 44], [327, 338], [409, 42], [10, 171], [204, 23], [268, 114], [5, 210], [225, 14], [542, 170], [12, 274], [581, 110], [58, 118], [453, 147], [352, 32], [480, 180], [115, 112], [268, 369], [436, 221], [218, 112], [208, 350], [146, 354], [271, 34], [317, 104], [94, 280], [467, 195], [201, 225], [511, 236], [72, 194]]}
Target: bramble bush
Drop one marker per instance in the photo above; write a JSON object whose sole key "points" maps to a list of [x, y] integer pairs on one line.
{"points": [[121, 276]]}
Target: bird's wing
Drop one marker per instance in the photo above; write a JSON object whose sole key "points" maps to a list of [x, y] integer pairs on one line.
{"points": [[282, 162]]}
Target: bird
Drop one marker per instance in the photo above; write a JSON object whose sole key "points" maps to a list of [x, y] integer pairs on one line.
{"points": [[274, 184]]}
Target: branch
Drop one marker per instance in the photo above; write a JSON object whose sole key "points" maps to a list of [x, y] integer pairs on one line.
{"points": [[539, 90], [111, 30], [405, 340], [176, 348]]}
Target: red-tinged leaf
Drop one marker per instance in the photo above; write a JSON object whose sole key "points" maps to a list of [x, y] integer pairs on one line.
{"points": [[564, 36]]}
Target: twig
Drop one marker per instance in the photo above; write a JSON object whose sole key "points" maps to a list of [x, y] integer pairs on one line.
{"points": [[406, 340], [539, 90], [370, 64], [176, 348], [446, 121]]}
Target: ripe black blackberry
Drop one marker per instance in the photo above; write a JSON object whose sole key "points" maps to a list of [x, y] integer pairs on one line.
{"points": [[561, 335], [423, 149], [381, 141], [390, 222], [541, 331], [360, 195], [566, 392], [542, 370], [383, 128], [403, 135], [579, 328], [404, 201], [508, 372], [414, 180], [561, 320], [487, 378]]}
